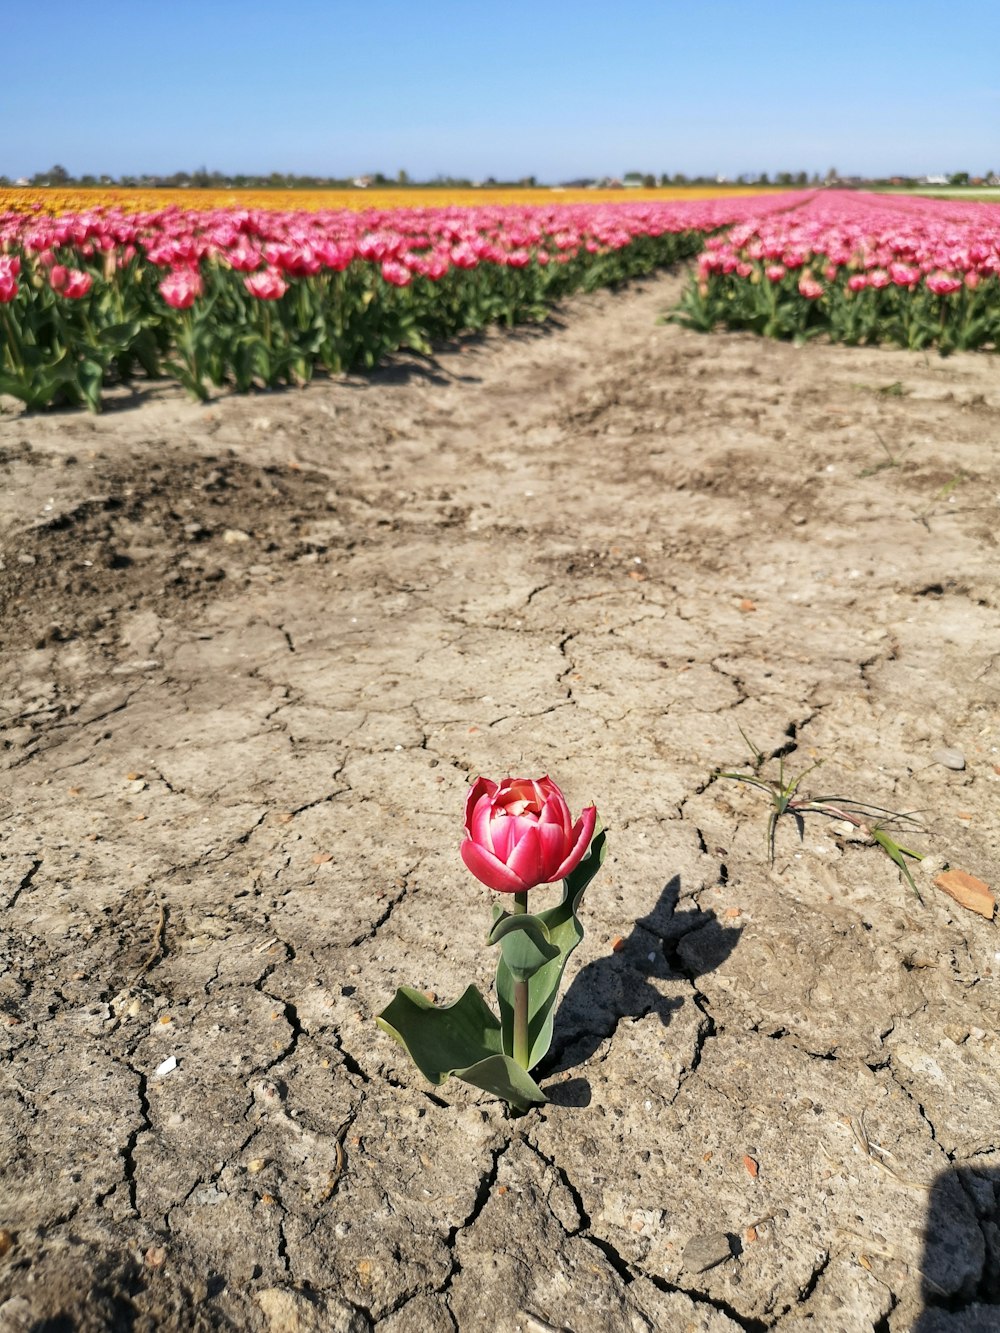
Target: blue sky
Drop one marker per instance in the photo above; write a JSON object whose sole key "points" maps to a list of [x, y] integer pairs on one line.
{"points": [[502, 89]]}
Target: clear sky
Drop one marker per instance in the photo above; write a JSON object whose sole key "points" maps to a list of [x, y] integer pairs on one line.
{"points": [[504, 89]]}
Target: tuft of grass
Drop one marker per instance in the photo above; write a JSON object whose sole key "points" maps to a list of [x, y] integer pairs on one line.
{"points": [[874, 822], [889, 461]]}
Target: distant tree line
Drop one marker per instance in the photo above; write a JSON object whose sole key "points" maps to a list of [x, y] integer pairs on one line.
{"points": [[203, 179]]}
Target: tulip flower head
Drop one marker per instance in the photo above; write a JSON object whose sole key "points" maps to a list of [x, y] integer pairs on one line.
{"points": [[519, 833], [180, 288]]}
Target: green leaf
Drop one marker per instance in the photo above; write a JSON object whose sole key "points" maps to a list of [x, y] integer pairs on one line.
{"points": [[565, 932], [524, 943], [462, 1039], [120, 336]]}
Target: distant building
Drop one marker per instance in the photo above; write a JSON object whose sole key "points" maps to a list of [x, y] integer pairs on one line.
{"points": [[933, 180]]}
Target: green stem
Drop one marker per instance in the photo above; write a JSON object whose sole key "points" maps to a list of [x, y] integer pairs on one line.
{"points": [[15, 352], [522, 1045]]}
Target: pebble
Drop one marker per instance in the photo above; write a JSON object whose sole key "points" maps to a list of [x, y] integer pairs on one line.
{"points": [[949, 757], [704, 1252], [17, 1316]]}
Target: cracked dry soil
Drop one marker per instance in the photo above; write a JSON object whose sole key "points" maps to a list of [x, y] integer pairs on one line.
{"points": [[252, 654]]}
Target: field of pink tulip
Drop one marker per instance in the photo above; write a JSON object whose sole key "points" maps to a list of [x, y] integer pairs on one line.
{"points": [[253, 298], [856, 268]]}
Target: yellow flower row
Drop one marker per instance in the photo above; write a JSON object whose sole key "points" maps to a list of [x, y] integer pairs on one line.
{"points": [[55, 201]]}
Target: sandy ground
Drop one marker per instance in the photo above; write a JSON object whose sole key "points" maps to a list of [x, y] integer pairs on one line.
{"points": [[253, 653]]}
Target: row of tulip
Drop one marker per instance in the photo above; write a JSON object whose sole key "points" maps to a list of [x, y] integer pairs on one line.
{"points": [[856, 269], [55, 200], [246, 297]]}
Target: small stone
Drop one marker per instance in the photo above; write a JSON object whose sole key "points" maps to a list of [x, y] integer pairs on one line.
{"points": [[235, 536], [949, 757], [289, 1311], [17, 1316], [6, 1241], [704, 1252]]}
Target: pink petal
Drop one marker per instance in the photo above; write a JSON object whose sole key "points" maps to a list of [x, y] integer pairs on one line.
{"points": [[525, 860], [479, 820], [556, 811], [481, 787], [582, 834], [490, 870], [507, 831], [554, 845]]}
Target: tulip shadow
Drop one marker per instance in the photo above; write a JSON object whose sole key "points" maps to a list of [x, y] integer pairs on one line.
{"points": [[960, 1268], [622, 983]]}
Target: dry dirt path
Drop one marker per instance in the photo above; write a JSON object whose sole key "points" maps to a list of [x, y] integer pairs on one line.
{"points": [[252, 654]]}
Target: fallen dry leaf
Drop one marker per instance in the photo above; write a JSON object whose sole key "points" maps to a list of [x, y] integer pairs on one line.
{"points": [[321, 858], [752, 1168], [751, 1233], [747, 605], [968, 892], [617, 944]]}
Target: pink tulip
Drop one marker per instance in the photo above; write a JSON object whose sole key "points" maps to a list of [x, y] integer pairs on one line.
{"points": [[395, 273], [857, 282], [8, 287], [58, 274], [775, 272], [180, 288], [266, 286], [810, 288], [903, 275], [943, 284], [244, 258], [77, 284], [519, 833]]}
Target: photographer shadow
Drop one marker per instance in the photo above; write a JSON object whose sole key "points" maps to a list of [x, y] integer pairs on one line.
{"points": [[623, 983], [960, 1268]]}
